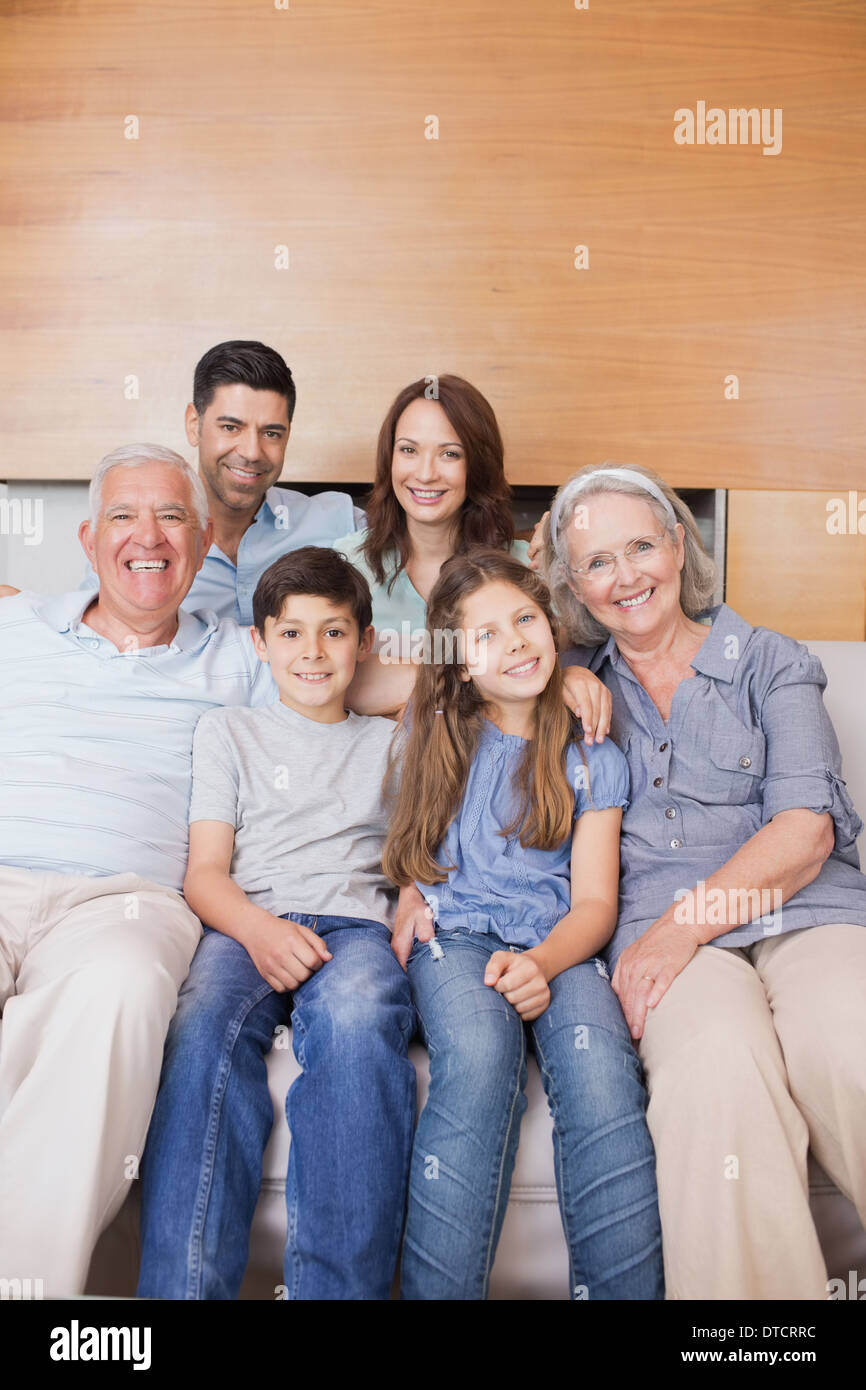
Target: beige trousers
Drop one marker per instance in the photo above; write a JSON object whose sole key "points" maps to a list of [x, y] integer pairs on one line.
{"points": [[89, 974], [752, 1057]]}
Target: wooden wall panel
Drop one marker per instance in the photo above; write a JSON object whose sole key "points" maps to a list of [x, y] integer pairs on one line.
{"points": [[411, 256], [796, 563]]}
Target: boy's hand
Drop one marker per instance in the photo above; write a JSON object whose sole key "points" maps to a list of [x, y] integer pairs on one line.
{"points": [[284, 953], [520, 978], [412, 919]]}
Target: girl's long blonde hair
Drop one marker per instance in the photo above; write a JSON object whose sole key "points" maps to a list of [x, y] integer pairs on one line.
{"points": [[430, 760]]}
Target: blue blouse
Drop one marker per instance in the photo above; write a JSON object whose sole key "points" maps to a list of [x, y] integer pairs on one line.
{"points": [[497, 886], [748, 736]]}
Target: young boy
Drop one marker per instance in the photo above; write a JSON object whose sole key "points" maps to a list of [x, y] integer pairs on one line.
{"points": [[286, 834]]}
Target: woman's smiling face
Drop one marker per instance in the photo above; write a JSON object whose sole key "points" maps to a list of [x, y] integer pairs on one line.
{"points": [[428, 468], [641, 597]]}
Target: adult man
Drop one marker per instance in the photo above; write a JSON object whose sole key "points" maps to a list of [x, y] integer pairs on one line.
{"points": [[239, 421], [100, 696]]}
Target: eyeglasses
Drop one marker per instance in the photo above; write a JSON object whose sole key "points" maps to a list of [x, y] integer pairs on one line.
{"points": [[603, 566]]}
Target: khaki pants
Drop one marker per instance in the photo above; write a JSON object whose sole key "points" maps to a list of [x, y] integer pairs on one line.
{"points": [[752, 1057], [89, 974]]}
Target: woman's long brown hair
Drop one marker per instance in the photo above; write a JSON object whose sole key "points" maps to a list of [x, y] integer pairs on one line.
{"points": [[432, 754], [485, 518]]}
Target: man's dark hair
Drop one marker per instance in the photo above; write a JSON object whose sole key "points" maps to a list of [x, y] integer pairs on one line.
{"points": [[316, 570], [246, 363]]}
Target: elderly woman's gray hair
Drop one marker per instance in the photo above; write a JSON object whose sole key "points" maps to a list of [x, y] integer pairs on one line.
{"points": [[137, 456], [698, 572]]}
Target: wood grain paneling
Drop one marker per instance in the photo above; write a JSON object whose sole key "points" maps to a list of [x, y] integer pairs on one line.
{"points": [[410, 256], [790, 567]]}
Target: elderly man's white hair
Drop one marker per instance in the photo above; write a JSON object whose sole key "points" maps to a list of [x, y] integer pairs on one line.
{"points": [[137, 456]]}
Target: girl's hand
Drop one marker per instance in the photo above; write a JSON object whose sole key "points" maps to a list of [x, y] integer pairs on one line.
{"points": [[536, 544], [520, 978], [412, 919], [646, 969], [588, 698]]}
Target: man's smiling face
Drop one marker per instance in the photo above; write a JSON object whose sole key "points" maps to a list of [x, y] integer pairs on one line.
{"points": [[147, 545], [241, 439]]}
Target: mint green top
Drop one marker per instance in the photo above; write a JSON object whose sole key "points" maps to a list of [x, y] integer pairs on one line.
{"points": [[404, 605]]}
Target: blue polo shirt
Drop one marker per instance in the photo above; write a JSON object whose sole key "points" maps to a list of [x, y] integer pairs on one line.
{"points": [[285, 521], [748, 736], [96, 743]]}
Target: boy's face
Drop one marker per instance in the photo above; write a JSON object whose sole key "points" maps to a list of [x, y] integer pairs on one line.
{"points": [[312, 650]]}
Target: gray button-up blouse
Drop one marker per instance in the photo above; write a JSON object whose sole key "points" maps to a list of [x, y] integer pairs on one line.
{"points": [[748, 736]]}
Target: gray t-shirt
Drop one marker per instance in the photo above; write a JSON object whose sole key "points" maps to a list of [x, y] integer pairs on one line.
{"points": [[305, 800]]}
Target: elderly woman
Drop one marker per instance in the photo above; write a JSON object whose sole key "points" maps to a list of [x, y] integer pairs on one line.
{"points": [[739, 953]]}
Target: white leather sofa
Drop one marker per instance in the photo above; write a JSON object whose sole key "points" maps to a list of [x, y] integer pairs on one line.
{"points": [[531, 1261]]}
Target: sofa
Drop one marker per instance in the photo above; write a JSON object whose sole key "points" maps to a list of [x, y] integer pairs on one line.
{"points": [[531, 1262]]}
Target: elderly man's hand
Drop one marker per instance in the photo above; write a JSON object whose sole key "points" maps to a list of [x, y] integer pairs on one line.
{"points": [[646, 969]]}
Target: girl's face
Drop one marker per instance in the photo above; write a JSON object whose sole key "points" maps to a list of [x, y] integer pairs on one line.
{"points": [[640, 598], [510, 648], [428, 466]]}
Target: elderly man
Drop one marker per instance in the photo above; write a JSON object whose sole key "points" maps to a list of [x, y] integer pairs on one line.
{"points": [[100, 696], [239, 420]]}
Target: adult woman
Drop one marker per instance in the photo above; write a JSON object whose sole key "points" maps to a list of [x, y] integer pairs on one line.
{"points": [[439, 488], [739, 955]]}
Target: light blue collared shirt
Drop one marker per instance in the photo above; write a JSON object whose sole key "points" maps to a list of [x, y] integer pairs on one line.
{"points": [[748, 736], [285, 521], [96, 744]]}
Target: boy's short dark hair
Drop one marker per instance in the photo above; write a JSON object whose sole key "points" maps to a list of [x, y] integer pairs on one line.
{"points": [[316, 570], [246, 363]]}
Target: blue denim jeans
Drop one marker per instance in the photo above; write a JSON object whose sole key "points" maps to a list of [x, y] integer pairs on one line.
{"points": [[466, 1140], [351, 1113]]}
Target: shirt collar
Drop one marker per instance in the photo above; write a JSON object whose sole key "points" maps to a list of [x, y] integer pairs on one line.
{"points": [[491, 733], [64, 612], [724, 644], [268, 510], [717, 657]]}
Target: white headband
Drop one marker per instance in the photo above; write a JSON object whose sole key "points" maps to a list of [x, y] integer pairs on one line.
{"points": [[627, 475]]}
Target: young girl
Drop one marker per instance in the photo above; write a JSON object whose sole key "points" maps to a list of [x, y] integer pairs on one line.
{"points": [[495, 801]]}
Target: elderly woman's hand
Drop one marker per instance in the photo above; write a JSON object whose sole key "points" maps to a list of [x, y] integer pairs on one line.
{"points": [[588, 698], [647, 969]]}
